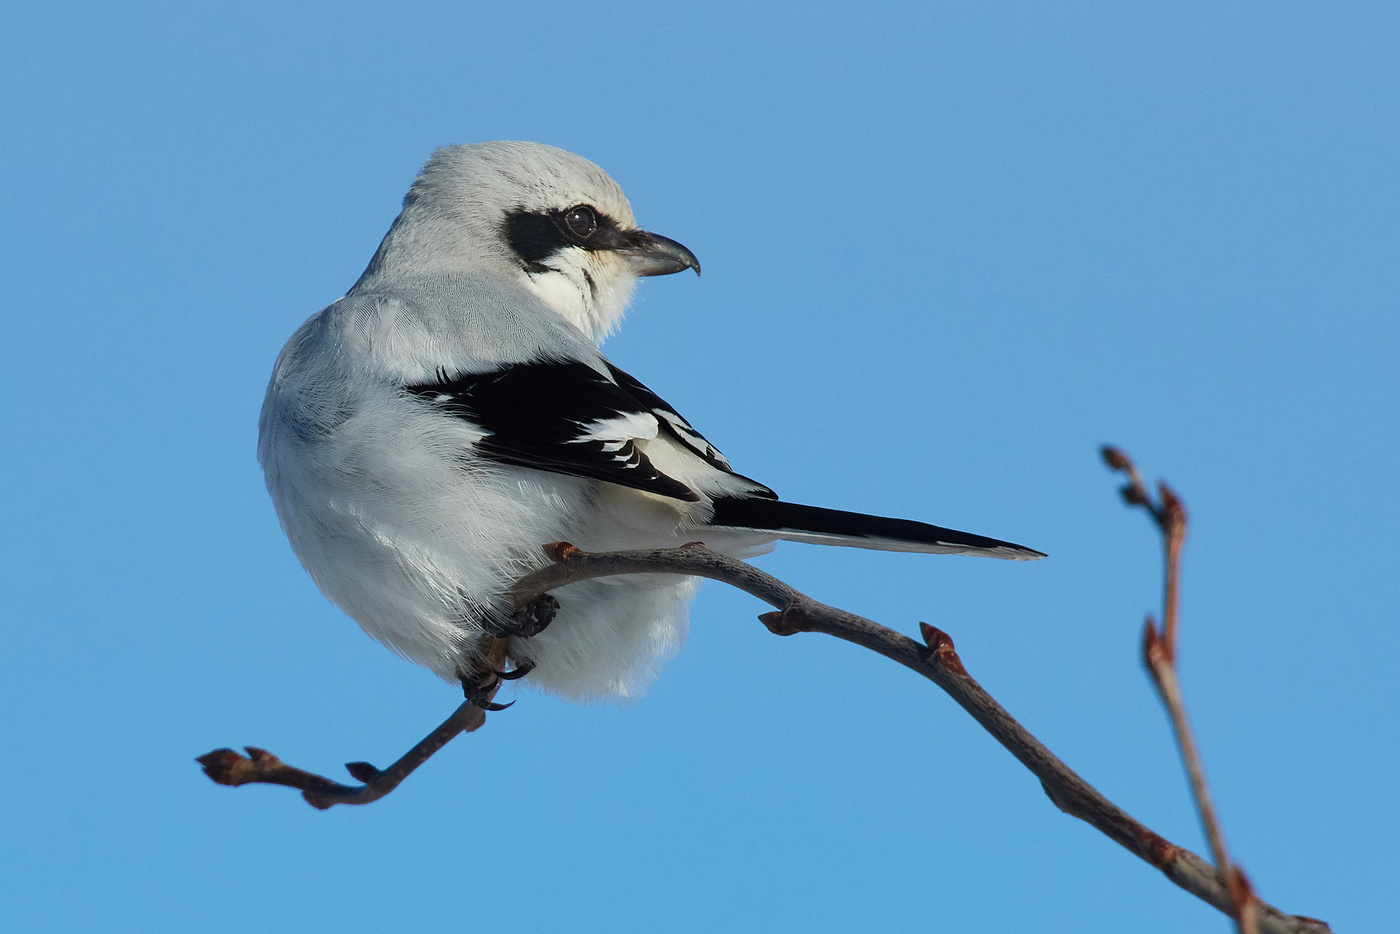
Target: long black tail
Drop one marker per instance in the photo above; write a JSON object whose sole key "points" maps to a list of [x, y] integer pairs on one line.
{"points": [[799, 523]]}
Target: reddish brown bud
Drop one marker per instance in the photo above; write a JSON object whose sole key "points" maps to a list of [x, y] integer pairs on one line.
{"points": [[222, 765], [1115, 458], [1154, 649], [1173, 510], [1133, 495], [785, 622], [940, 649], [935, 638], [559, 552], [1157, 850], [362, 771], [1242, 893]]}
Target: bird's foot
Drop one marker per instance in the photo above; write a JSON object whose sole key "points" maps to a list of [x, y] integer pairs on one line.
{"points": [[480, 686], [530, 620]]}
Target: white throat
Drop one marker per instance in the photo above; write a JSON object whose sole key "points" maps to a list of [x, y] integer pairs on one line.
{"points": [[589, 290]]}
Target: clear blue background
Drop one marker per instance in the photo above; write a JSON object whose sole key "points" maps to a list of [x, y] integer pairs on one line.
{"points": [[949, 249]]}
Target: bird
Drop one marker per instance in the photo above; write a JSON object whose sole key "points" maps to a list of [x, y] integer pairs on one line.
{"points": [[427, 434]]}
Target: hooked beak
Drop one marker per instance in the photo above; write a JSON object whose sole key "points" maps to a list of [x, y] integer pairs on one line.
{"points": [[651, 254]]}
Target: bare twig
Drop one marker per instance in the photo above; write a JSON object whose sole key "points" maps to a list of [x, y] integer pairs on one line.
{"points": [[1159, 654], [261, 767], [939, 662]]}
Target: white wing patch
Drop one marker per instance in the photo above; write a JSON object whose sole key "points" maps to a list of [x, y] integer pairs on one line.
{"points": [[693, 439], [620, 428]]}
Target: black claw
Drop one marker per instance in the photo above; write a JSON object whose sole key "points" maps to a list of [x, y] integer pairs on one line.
{"points": [[478, 688], [518, 672]]}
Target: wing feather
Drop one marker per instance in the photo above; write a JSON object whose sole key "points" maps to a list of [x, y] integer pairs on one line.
{"points": [[567, 417]]}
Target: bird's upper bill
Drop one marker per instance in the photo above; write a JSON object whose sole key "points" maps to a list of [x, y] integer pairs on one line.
{"points": [[654, 255]]}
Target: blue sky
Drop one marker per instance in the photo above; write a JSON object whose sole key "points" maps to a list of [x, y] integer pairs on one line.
{"points": [[949, 249]]}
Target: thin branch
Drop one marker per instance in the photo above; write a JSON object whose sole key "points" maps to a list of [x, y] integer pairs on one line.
{"points": [[261, 767], [1159, 654], [938, 661]]}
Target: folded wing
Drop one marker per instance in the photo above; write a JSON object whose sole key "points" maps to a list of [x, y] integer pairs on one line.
{"points": [[567, 417]]}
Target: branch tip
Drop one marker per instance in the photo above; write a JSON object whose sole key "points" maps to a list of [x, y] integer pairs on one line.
{"points": [[220, 765], [1159, 654], [1115, 458]]}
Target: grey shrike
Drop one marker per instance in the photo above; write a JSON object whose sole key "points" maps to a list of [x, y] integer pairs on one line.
{"points": [[425, 435]]}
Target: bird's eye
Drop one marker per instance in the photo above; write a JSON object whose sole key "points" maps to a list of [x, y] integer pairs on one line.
{"points": [[581, 221]]}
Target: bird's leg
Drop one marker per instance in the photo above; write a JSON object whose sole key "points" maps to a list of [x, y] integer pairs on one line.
{"points": [[488, 673]]}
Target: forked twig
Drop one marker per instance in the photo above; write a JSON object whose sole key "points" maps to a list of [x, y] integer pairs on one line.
{"points": [[261, 767], [1159, 654]]}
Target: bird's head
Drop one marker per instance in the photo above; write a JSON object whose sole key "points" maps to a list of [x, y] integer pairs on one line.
{"points": [[548, 219]]}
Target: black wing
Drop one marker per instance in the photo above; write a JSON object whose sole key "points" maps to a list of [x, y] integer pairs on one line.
{"points": [[566, 417]]}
